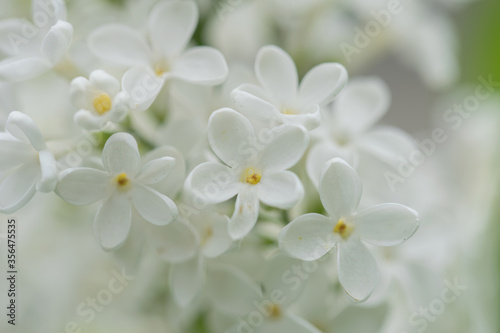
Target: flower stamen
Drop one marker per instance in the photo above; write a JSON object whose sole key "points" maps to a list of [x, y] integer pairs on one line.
{"points": [[122, 181], [343, 229], [289, 111], [251, 176], [275, 311], [102, 103]]}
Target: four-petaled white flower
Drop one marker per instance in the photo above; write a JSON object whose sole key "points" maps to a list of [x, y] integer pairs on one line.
{"points": [[170, 27], [187, 277], [254, 168], [122, 186], [311, 236], [347, 129], [280, 99], [33, 49], [99, 100], [28, 165]]}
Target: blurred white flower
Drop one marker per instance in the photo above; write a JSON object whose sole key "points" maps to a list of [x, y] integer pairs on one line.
{"points": [[311, 236], [255, 171], [34, 48], [124, 184], [212, 239], [28, 165], [347, 132]]}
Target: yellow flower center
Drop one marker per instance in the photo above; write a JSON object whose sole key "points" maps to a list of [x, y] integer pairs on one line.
{"points": [[343, 229], [102, 103], [275, 311], [207, 234], [161, 68], [289, 111], [122, 181], [251, 176]]}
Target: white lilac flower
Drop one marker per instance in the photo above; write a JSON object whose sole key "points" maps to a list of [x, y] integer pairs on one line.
{"points": [[124, 184], [347, 132], [99, 100], [28, 166], [187, 277], [311, 236], [253, 168], [34, 48], [170, 27], [279, 99], [275, 303]]}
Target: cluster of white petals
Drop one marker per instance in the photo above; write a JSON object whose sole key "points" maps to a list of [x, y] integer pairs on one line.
{"points": [[223, 170]]}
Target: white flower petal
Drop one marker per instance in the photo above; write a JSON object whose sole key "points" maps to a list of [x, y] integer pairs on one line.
{"points": [[112, 221], [143, 86], [83, 186], [175, 242], [119, 44], [21, 69], [89, 121], [230, 290], [361, 104], [105, 82], [24, 128], [310, 119], [357, 269], [339, 189], [18, 187], [13, 152], [219, 240], [387, 144], [253, 89], [201, 65], [213, 182], [246, 212], [324, 151], [121, 107], [171, 25], [186, 280], [277, 271], [57, 41], [153, 206], [387, 224], [282, 189], [322, 84], [277, 73], [308, 237], [48, 180], [229, 135], [155, 171], [80, 93], [121, 154], [174, 181], [286, 148], [255, 108]]}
